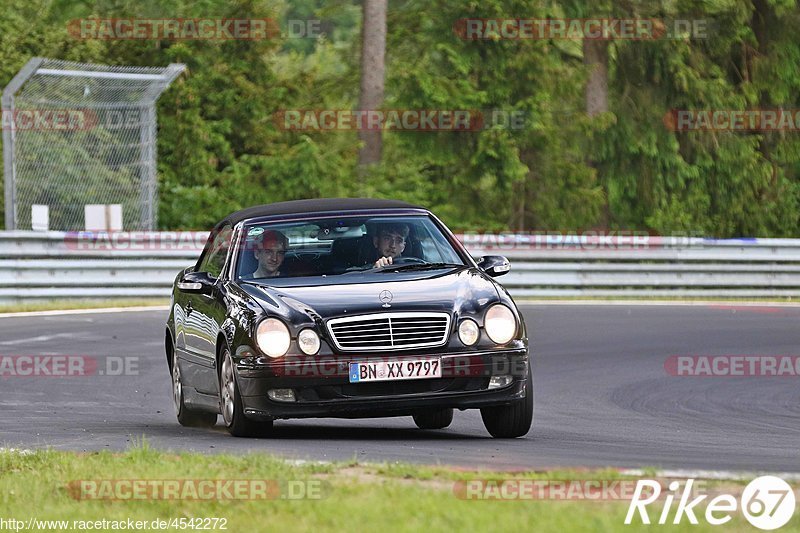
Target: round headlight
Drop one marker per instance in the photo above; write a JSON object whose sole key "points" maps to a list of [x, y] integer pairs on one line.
{"points": [[308, 340], [468, 332], [273, 337], [500, 324]]}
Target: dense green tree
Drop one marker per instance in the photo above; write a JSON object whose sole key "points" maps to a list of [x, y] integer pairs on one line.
{"points": [[594, 151]]}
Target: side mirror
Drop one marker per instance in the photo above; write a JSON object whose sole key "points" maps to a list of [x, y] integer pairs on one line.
{"points": [[494, 265], [196, 282]]}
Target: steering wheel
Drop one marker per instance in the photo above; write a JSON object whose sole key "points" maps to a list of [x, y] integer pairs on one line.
{"points": [[399, 261], [396, 261], [403, 260]]}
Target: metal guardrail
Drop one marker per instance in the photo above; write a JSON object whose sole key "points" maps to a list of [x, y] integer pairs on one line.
{"points": [[49, 265]]}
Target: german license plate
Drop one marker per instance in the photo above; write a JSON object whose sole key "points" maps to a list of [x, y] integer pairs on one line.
{"points": [[395, 370]]}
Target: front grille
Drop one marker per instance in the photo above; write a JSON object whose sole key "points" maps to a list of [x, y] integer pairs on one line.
{"points": [[389, 331]]}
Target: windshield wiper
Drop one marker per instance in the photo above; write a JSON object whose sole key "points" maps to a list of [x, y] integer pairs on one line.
{"points": [[418, 266]]}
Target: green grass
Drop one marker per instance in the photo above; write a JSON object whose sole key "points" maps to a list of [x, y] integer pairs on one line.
{"points": [[390, 497], [54, 305]]}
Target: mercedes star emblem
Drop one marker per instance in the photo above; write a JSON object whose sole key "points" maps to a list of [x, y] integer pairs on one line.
{"points": [[386, 298]]}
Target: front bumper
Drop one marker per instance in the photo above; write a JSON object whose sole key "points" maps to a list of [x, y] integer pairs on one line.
{"points": [[322, 388]]}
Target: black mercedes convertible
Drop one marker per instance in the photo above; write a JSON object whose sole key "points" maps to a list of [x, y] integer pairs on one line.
{"points": [[345, 308]]}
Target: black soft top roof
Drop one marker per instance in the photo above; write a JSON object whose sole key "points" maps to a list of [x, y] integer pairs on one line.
{"points": [[317, 205]]}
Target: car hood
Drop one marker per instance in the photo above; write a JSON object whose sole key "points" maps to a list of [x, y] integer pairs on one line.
{"points": [[463, 291]]}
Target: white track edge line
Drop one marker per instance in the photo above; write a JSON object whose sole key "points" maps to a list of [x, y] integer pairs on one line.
{"points": [[655, 303], [86, 311]]}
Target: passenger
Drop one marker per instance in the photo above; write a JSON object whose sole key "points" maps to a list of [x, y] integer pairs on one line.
{"points": [[270, 251]]}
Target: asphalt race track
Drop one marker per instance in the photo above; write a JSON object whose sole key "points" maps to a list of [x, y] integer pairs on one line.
{"points": [[603, 396]]}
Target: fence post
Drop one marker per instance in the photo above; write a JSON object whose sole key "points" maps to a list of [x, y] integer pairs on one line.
{"points": [[9, 139]]}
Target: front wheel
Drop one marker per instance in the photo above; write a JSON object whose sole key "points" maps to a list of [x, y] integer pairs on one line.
{"points": [[230, 403], [514, 420]]}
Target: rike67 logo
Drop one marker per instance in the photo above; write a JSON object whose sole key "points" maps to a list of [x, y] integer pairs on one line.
{"points": [[767, 502]]}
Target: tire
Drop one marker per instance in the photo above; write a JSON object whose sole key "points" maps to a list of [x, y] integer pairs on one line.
{"points": [[187, 417], [514, 420], [433, 418], [230, 403]]}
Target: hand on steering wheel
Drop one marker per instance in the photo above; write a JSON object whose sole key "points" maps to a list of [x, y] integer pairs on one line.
{"points": [[386, 261], [383, 261]]}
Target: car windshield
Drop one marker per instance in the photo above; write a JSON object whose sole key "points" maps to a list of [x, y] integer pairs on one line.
{"points": [[345, 245]]}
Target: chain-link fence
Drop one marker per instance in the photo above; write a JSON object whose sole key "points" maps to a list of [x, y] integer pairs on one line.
{"points": [[77, 134]]}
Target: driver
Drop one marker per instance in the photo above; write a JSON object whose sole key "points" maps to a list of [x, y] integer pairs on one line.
{"points": [[269, 251], [389, 242]]}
